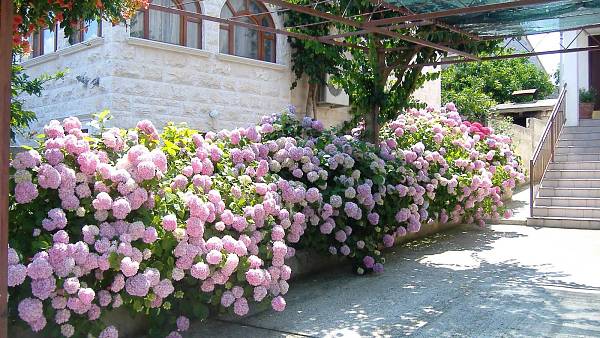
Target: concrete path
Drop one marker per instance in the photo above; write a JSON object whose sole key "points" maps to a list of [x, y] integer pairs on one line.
{"points": [[502, 281]]}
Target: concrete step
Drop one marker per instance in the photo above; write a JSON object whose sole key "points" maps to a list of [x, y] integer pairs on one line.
{"points": [[568, 202], [581, 129], [589, 149], [565, 222], [569, 192], [573, 157], [581, 165], [571, 183], [574, 135], [577, 143], [574, 212], [589, 123], [572, 173]]}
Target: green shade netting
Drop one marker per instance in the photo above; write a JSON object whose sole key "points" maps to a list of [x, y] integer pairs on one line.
{"points": [[533, 19]]}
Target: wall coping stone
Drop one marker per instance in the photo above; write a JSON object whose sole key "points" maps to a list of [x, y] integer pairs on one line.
{"points": [[167, 46], [97, 41], [251, 62], [39, 60]]}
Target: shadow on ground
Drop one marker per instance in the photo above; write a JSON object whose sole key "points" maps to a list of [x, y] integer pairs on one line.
{"points": [[500, 281]]}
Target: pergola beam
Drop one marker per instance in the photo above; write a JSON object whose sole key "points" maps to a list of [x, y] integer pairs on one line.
{"points": [[458, 11], [509, 56], [364, 31], [359, 25]]}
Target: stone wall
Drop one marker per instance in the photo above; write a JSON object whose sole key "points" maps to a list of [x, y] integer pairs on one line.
{"points": [[527, 138]]}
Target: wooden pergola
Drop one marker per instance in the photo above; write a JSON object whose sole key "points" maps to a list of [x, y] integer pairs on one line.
{"points": [[388, 27]]}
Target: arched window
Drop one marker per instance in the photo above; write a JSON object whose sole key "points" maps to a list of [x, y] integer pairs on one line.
{"points": [[244, 41], [170, 21]]}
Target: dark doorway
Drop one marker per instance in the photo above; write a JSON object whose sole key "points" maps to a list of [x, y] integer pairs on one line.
{"points": [[595, 68]]}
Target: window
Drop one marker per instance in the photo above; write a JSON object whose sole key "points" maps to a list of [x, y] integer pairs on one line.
{"points": [[243, 41], [175, 22], [85, 32], [43, 42]]}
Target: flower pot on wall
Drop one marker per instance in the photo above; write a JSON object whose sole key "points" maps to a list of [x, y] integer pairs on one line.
{"points": [[585, 110]]}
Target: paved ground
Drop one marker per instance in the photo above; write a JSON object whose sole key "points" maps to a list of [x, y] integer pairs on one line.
{"points": [[502, 281]]}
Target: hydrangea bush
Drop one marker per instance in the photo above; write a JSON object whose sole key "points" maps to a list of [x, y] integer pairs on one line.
{"points": [[177, 224]]}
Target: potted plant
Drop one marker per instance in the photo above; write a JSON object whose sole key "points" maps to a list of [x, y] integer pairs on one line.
{"points": [[587, 98]]}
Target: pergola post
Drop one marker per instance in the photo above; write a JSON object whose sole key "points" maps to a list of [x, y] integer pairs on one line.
{"points": [[6, 19]]}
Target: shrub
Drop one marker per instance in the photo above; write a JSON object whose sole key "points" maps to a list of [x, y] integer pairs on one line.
{"points": [[178, 224]]}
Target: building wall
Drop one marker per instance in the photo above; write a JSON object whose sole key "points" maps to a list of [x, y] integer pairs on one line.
{"points": [[574, 71], [137, 79], [431, 92], [527, 138]]}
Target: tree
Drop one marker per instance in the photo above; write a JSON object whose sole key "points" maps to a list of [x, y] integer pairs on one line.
{"points": [[474, 105], [379, 76], [498, 79]]}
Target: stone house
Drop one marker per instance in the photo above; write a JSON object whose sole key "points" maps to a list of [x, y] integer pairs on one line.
{"points": [[169, 65]]}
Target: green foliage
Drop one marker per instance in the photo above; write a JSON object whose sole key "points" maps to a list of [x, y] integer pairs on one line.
{"points": [[23, 84], [587, 96], [498, 79], [473, 103]]}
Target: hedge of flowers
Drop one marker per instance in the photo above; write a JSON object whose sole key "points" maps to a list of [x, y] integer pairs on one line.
{"points": [[177, 224]]}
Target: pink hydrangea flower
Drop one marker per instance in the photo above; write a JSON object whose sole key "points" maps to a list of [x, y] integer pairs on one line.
{"points": [[183, 323], [200, 270], [164, 288], [109, 332], [121, 208], [67, 330], [16, 274], [214, 257], [30, 310], [278, 303], [255, 277], [86, 295], [240, 307], [129, 267], [103, 201], [137, 285], [169, 222], [25, 192]]}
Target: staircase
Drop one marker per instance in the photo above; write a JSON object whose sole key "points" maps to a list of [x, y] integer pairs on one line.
{"points": [[569, 192]]}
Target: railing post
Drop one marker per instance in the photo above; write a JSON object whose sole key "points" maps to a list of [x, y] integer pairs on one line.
{"points": [[531, 185], [552, 140]]}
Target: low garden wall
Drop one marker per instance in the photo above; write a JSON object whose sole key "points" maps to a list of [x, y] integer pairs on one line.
{"points": [[177, 225]]}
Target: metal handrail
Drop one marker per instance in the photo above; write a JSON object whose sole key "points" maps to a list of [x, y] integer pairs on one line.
{"points": [[544, 152]]}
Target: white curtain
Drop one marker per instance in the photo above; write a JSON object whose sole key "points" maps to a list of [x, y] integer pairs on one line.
{"points": [[164, 26], [246, 41]]}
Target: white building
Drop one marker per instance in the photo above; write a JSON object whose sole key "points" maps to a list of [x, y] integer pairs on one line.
{"points": [[172, 66], [580, 70]]}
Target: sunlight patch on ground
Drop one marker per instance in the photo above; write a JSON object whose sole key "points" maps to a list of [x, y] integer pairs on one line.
{"points": [[453, 260]]}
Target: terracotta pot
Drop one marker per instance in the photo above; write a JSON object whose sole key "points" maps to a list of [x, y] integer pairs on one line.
{"points": [[586, 110]]}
